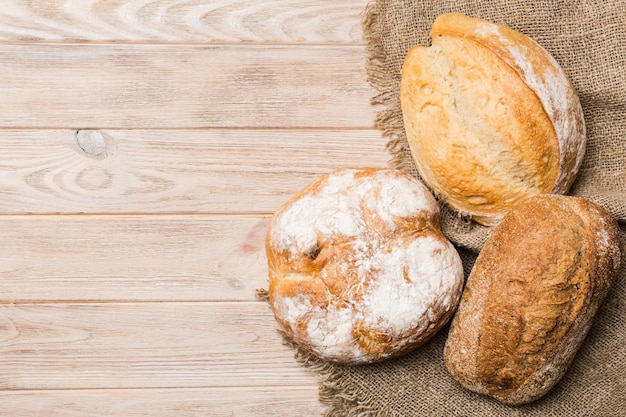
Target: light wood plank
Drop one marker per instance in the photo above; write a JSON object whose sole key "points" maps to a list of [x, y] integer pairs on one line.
{"points": [[285, 21], [127, 258], [171, 171], [183, 86], [147, 345], [287, 401]]}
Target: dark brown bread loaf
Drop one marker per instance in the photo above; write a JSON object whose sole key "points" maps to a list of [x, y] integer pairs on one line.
{"points": [[531, 297]]}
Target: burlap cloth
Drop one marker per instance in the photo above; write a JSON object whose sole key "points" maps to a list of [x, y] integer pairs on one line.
{"points": [[588, 39]]}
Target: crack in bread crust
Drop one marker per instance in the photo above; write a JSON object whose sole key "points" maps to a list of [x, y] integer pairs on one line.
{"points": [[531, 297], [533, 303], [359, 269], [490, 117]]}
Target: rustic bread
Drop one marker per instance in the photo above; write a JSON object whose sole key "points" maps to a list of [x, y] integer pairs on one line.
{"points": [[531, 297], [359, 270], [490, 117]]}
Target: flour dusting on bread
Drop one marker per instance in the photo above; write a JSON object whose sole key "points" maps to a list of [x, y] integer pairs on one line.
{"points": [[401, 296], [359, 269]]}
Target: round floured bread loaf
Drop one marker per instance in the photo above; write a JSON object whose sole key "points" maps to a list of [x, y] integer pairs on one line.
{"points": [[490, 117], [531, 297], [359, 270]]}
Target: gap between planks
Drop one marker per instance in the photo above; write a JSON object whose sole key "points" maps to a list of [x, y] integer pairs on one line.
{"points": [[188, 43], [153, 389], [155, 215]]}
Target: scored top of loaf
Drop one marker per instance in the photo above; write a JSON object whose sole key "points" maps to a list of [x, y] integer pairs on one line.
{"points": [[490, 117], [541, 72]]}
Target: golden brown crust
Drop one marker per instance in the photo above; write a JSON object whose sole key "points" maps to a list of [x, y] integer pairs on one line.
{"points": [[540, 71], [359, 269], [531, 297], [490, 117]]}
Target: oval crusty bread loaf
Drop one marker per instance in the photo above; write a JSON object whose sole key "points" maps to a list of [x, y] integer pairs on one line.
{"points": [[531, 297], [490, 117], [359, 269]]}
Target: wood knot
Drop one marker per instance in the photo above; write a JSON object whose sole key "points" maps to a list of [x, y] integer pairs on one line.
{"points": [[92, 142]]}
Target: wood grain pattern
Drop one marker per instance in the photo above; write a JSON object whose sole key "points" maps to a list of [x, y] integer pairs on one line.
{"points": [[147, 345], [171, 171], [285, 21], [131, 258], [143, 146], [183, 86], [195, 402]]}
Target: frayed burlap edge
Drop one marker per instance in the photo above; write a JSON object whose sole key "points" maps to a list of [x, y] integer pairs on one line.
{"points": [[339, 398], [335, 393], [389, 120]]}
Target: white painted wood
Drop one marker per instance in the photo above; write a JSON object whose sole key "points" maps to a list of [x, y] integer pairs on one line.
{"points": [[131, 258], [171, 171], [289, 401], [151, 86], [146, 345], [178, 126], [285, 21]]}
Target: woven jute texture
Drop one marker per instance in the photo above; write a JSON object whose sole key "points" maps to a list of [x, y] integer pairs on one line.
{"points": [[588, 39]]}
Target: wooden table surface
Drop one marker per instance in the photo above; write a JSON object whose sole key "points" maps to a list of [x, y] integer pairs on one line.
{"points": [[144, 144]]}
